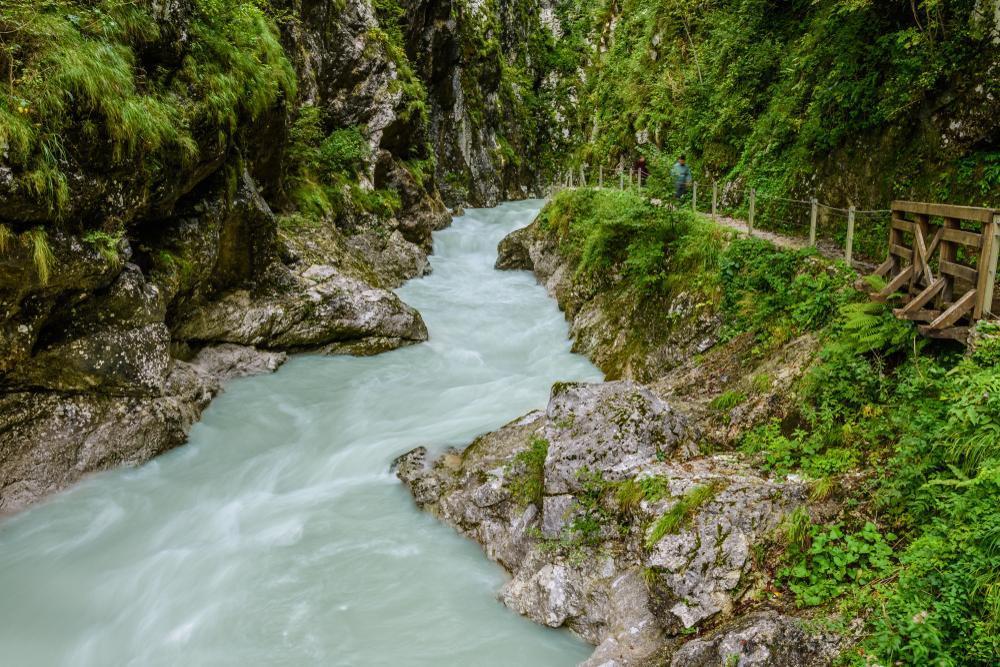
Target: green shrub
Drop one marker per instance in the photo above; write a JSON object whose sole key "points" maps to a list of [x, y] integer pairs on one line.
{"points": [[835, 562], [658, 251], [945, 607], [106, 245], [345, 151], [727, 400]]}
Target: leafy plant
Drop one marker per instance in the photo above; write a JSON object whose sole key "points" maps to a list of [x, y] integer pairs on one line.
{"points": [[870, 326], [106, 245], [836, 561]]}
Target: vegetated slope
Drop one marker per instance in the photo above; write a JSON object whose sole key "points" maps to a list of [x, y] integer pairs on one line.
{"points": [[851, 100], [895, 436]]}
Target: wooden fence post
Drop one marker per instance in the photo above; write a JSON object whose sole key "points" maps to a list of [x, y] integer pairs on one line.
{"points": [[753, 210], [571, 178], [600, 177], [694, 196], [987, 269], [583, 177], [813, 215], [715, 199], [849, 250], [621, 179]]}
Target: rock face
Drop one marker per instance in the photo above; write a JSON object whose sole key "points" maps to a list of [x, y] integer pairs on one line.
{"points": [[49, 440], [113, 312], [580, 504], [623, 334], [484, 131]]}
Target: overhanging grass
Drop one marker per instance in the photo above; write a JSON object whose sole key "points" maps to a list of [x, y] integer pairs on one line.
{"points": [[75, 73]]}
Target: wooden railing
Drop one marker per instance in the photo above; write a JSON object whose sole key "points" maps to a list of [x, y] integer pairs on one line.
{"points": [[944, 260]]}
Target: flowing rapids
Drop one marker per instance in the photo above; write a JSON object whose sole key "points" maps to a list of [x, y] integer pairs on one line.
{"points": [[278, 536]]}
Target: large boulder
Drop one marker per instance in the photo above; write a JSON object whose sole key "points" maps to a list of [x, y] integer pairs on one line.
{"points": [[321, 308], [612, 427]]}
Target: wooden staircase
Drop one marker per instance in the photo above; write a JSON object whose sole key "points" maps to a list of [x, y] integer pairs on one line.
{"points": [[943, 259]]}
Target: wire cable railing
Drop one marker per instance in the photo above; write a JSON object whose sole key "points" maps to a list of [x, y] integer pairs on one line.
{"points": [[855, 234]]}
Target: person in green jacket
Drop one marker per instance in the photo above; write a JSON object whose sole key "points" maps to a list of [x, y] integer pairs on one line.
{"points": [[682, 177]]}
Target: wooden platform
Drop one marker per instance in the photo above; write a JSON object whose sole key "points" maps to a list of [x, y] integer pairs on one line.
{"points": [[942, 262]]}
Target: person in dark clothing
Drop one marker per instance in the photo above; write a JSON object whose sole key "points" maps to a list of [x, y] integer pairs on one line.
{"points": [[682, 177], [641, 170]]}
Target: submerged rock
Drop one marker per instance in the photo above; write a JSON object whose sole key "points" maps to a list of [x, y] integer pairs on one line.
{"points": [[590, 533], [228, 361]]}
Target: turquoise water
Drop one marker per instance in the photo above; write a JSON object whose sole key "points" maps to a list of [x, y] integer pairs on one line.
{"points": [[278, 536]]}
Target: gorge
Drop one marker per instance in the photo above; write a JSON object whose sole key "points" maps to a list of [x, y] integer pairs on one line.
{"points": [[741, 461]]}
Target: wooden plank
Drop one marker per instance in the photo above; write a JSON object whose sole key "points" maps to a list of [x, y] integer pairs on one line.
{"points": [[955, 312], [971, 213], [987, 271], [900, 251], [884, 267], [922, 315], [894, 284], [923, 267], [949, 253], [902, 225], [971, 276], [917, 302], [969, 239]]}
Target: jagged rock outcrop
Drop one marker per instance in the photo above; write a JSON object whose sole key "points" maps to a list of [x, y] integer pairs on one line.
{"points": [[612, 525], [322, 309], [48, 440]]}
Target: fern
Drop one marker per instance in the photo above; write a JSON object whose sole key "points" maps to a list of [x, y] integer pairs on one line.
{"points": [[871, 327]]}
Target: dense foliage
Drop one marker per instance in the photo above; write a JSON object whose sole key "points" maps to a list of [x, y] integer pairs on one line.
{"points": [[845, 97]]}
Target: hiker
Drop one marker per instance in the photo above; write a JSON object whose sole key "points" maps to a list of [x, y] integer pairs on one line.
{"points": [[641, 170], [682, 177]]}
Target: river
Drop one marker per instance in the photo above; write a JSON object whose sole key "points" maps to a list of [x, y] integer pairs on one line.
{"points": [[278, 535]]}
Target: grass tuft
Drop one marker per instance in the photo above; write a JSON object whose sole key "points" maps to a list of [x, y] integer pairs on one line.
{"points": [[527, 485], [681, 513], [41, 253]]}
